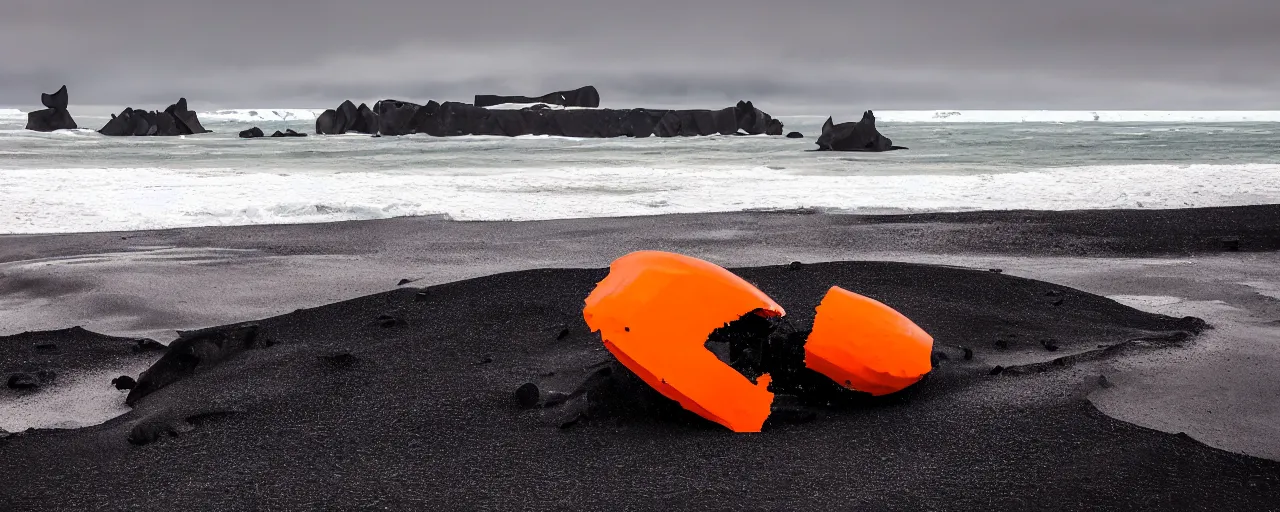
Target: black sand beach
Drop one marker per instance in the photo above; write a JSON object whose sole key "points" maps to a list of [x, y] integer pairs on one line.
{"points": [[403, 399]]}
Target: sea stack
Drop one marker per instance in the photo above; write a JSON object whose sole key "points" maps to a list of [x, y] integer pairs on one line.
{"points": [[54, 116], [396, 117], [348, 118], [859, 136], [173, 121]]}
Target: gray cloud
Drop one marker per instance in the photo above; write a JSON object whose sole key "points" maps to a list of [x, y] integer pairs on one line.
{"points": [[800, 56]]}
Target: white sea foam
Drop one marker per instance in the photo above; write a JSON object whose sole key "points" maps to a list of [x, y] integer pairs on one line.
{"points": [[261, 114], [9, 114], [73, 200]]}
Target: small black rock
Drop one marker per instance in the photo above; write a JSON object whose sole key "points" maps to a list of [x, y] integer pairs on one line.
{"points": [[997, 370], [527, 395], [124, 382], [564, 333], [795, 265], [968, 353], [23, 381], [795, 135], [997, 270], [252, 133], [404, 282]]}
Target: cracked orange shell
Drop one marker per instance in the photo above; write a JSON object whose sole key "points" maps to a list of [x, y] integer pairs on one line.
{"points": [[654, 312], [865, 345]]}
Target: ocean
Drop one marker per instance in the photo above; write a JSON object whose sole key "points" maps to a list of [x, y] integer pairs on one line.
{"points": [[79, 181]]}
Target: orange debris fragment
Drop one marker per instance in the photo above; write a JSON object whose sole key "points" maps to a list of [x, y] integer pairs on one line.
{"points": [[865, 345], [655, 311]]}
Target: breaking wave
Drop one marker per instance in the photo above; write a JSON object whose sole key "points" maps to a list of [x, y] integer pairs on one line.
{"points": [[76, 200]]}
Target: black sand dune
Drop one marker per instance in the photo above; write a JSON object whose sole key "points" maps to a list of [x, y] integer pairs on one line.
{"points": [[404, 400]]}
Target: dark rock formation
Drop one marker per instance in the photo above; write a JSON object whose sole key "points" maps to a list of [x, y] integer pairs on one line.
{"points": [[348, 118], [175, 120], [859, 136], [424, 117], [57, 101], [795, 135], [775, 127], [396, 117], [582, 97], [754, 121], [120, 125], [192, 351], [331, 122], [366, 121], [187, 120], [49, 119], [287, 133], [55, 117], [252, 133], [456, 119]]}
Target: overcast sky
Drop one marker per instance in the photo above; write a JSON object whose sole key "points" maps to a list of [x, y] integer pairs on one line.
{"points": [[790, 56]]}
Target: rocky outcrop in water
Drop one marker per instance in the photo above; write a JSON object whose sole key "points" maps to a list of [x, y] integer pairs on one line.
{"points": [[394, 117], [397, 117], [257, 133], [54, 116], [587, 97], [173, 121], [859, 136], [348, 118]]}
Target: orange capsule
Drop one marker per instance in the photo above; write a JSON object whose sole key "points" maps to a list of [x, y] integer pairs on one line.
{"points": [[865, 345], [654, 312]]}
